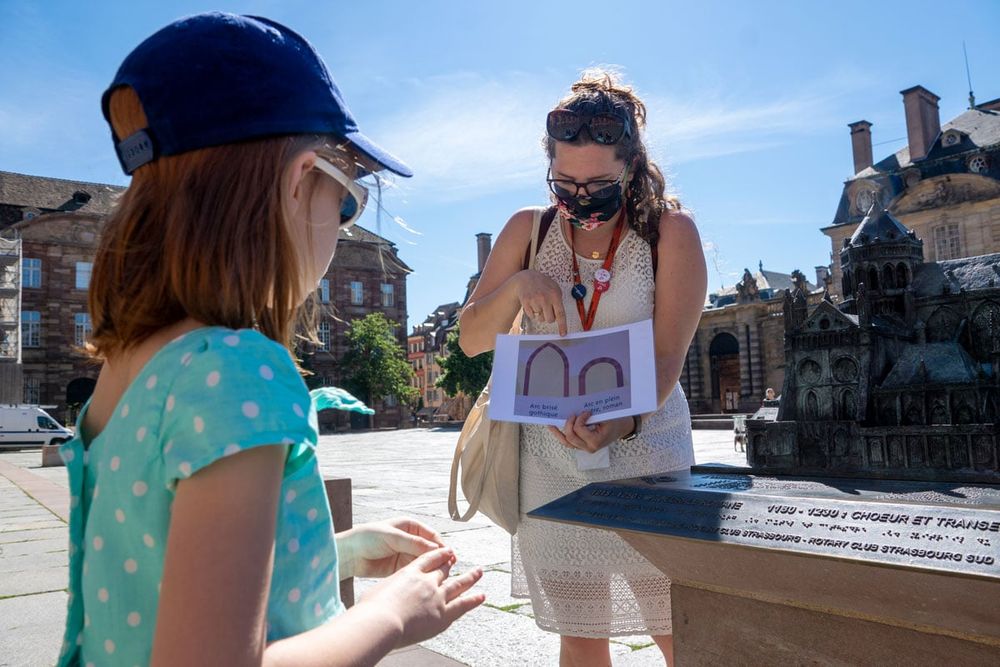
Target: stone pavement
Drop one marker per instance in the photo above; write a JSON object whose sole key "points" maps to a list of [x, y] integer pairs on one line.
{"points": [[393, 473]]}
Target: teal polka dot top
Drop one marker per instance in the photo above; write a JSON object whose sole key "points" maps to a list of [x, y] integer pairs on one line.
{"points": [[211, 393]]}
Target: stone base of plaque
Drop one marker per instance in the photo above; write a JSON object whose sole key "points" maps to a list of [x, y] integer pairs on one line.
{"points": [[760, 574]]}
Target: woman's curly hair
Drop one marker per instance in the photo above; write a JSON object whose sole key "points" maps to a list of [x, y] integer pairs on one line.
{"points": [[601, 91]]}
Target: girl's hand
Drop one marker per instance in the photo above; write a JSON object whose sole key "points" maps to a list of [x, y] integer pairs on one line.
{"points": [[541, 298], [383, 548], [422, 599], [577, 434]]}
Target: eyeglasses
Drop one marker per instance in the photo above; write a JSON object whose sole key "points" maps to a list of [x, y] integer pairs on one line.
{"points": [[357, 194], [600, 189], [605, 128]]}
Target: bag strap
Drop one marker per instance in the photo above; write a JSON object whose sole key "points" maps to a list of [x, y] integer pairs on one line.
{"points": [[477, 488], [540, 227]]}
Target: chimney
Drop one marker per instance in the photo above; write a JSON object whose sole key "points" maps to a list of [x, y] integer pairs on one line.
{"points": [[923, 121], [861, 144], [483, 245], [822, 275]]}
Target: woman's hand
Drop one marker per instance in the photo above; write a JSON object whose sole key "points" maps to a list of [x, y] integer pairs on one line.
{"points": [[383, 548], [541, 298], [577, 434]]}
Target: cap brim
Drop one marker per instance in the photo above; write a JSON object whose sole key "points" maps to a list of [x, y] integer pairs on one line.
{"points": [[382, 158]]}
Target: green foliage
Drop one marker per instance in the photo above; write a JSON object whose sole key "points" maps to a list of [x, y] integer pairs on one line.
{"points": [[375, 364], [461, 373]]}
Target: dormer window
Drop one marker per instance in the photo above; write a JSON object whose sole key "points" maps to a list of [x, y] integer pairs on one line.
{"points": [[951, 138], [979, 164], [81, 197]]}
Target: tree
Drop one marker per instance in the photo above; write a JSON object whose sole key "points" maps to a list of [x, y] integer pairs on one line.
{"points": [[461, 373], [374, 364]]}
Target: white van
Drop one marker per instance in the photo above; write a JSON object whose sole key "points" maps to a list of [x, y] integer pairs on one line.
{"points": [[29, 425]]}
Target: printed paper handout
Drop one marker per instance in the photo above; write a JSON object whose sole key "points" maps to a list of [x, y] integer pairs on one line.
{"points": [[545, 379]]}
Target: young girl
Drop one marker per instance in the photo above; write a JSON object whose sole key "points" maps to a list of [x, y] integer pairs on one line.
{"points": [[618, 251], [200, 530]]}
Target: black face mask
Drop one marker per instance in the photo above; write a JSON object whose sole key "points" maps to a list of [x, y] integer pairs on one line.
{"points": [[589, 213]]}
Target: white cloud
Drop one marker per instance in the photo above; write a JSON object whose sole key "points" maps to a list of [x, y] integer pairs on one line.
{"points": [[468, 135]]}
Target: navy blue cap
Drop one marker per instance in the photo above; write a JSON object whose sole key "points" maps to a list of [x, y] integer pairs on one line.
{"points": [[219, 78]]}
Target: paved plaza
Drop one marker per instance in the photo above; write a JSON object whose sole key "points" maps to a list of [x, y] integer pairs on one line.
{"points": [[393, 473]]}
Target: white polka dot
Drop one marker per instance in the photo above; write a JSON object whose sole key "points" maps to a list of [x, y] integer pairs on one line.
{"points": [[115, 463], [186, 359], [140, 434], [85, 568], [68, 455], [79, 639], [109, 646], [318, 610], [231, 449], [72, 549], [293, 545], [185, 469], [131, 566], [86, 620], [297, 409], [102, 594], [287, 441], [250, 409], [134, 619], [74, 501], [148, 540], [213, 378], [97, 489], [314, 563], [90, 664], [329, 578], [125, 411], [86, 457], [170, 403], [294, 595], [199, 424], [119, 516], [151, 382], [98, 543], [311, 514], [139, 489], [231, 340], [266, 372], [290, 496], [167, 447]]}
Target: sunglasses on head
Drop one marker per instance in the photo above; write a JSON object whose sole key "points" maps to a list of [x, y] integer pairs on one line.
{"points": [[605, 128], [354, 200]]}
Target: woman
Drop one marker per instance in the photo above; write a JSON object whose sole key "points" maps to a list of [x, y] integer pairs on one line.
{"points": [[200, 531], [620, 250]]}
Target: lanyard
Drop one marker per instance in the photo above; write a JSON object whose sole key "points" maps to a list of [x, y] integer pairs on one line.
{"points": [[602, 278]]}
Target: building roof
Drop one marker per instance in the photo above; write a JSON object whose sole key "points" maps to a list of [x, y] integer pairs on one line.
{"points": [[932, 363], [766, 280], [57, 194], [881, 225], [969, 273], [981, 130]]}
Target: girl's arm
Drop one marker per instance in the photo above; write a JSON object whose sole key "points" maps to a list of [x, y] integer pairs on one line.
{"points": [[217, 574], [504, 287], [681, 282]]}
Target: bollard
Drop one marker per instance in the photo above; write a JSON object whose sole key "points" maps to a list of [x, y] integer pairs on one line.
{"points": [[338, 490]]}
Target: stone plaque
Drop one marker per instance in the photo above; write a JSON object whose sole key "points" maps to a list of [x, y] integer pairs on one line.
{"points": [[946, 527]]}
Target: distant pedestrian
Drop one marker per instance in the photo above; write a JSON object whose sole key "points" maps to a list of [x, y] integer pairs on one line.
{"points": [[619, 250], [200, 529], [769, 394]]}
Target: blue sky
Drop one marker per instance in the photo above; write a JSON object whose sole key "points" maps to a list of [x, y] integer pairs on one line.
{"points": [[749, 103]]}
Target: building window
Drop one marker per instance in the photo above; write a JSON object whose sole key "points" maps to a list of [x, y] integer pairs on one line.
{"points": [[389, 401], [82, 328], [31, 272], [32, 390], [388, 296], [83, 274], [947, 243], [323, 333], [324, 291], [357, 293], [31, 328]]}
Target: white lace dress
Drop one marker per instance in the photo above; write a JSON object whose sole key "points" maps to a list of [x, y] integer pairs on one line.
{"points": [[588, 582]]}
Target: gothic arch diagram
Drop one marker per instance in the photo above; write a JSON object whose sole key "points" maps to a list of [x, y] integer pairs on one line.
{"points": [[531, 360], [619, 372]]}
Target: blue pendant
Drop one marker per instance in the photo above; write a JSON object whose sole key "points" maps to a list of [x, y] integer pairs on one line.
{"points": [[578, 292]]}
